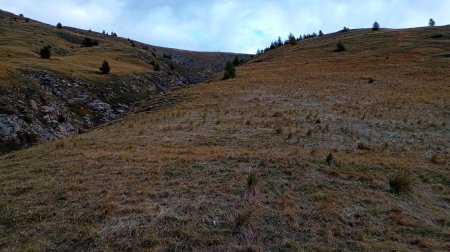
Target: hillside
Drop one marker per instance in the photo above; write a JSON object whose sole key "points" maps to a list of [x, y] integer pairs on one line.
{"points": [[42, 99], [305, 150]]}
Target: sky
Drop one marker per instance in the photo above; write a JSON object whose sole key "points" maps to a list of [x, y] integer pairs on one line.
{"points": [[227, 25]]}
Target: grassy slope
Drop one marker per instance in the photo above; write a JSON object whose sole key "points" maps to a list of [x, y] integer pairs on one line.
{"points": [[177, 177], [21, 41]]}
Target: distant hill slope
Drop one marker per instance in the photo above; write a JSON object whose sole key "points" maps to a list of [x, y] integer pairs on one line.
{"points": [[44, 99], [307, 149]]}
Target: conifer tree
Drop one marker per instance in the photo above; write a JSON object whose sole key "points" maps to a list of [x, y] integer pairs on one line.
{"points": [[375, 26], [230, 71], [105, 69], [431, 23]]}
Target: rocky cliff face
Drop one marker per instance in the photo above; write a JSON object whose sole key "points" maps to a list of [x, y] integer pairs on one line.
{"points": [[46, 105]]}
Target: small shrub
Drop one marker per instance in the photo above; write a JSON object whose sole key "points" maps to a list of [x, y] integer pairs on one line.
{"points": [[28, 119], [278, 131], [7, 216], [436, 36], [340, 47], [27, 20], [59, 26], [230, 71], [329, 159], [400, 182], [371, 80], [105, 69], [253, 179], [320, 33], [156, 67], [375, 26], [46, 52]]}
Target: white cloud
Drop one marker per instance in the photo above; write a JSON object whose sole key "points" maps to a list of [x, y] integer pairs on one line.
{"points": [[227, 25]]}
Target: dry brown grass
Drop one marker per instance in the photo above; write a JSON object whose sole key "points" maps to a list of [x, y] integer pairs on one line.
{"points": [[177, 179]]}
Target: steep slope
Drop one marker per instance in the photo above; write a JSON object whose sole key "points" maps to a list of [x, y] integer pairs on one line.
{"points": [[44, 99], [298, 152]]}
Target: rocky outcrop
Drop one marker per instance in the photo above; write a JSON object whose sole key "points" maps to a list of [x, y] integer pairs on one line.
{"points": [[47, 105]]}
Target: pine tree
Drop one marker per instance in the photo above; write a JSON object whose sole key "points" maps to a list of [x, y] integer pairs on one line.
{"points": [[236, 61], [292, 39], [230, 71], [46, 52], [320, 33], [375, 26], [431, 23], [105, 69], [279, 42]]}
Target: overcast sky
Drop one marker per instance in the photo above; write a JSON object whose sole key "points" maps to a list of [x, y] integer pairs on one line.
{"points": [[227, 25]]}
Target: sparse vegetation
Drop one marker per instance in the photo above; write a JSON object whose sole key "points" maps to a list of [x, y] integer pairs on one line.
{"points": [[46, 52]]}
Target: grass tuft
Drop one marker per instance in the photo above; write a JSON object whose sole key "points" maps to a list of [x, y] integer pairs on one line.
{"points": [[400, 182], [245, 217], [7, 216]]}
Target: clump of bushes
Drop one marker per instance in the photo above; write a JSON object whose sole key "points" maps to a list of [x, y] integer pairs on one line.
{"points": [[46, 52], [345, 29], [88, 42], [59, 26], [104, 68]]}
